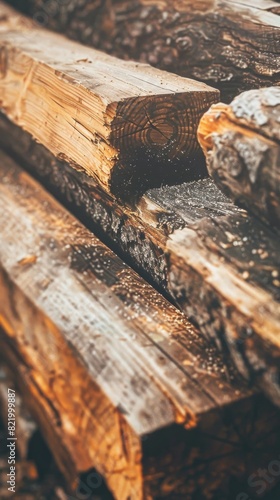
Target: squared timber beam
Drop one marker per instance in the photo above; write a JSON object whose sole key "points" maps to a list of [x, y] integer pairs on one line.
{"points": [[128, 125], [116, 377]]}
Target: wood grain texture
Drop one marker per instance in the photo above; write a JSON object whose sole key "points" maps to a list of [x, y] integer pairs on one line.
{"points": [[129, 125], [229, 287], [230, 44], [116, 376], [241, 142]]}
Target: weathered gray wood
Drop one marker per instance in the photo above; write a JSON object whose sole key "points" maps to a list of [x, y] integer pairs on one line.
{"points": [[128, 125], [229, 286], [230, 44], [241, 142], [103, 359]]}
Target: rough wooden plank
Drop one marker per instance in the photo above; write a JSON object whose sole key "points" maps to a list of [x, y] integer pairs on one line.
{"points": [[105, 360], [243, 317], [241, 142], [230, 44], [129, 125]]}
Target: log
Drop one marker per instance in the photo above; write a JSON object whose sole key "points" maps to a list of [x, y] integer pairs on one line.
{"points": [[230, 44], [241, 142], [149, 404], [129, 125], [229, 287]]}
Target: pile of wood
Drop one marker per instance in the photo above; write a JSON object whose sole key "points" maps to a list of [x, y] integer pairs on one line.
{"points": [[155, 361]]}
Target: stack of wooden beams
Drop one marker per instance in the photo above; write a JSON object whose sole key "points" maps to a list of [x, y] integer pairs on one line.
{"points": [[154, 361]]}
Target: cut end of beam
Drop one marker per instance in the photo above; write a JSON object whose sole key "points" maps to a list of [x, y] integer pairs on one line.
{"points": [[156, 140]]}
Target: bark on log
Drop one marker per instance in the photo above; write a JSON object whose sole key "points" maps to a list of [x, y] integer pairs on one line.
{"points": [[115, 375], [241, 142], [238, 307], [129, 125], [230, 44]]}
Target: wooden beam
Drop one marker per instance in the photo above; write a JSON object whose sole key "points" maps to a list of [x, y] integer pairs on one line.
{"points": [[129, 125], [241, 144], [230, 44], [116, 376], [229, 287]]}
